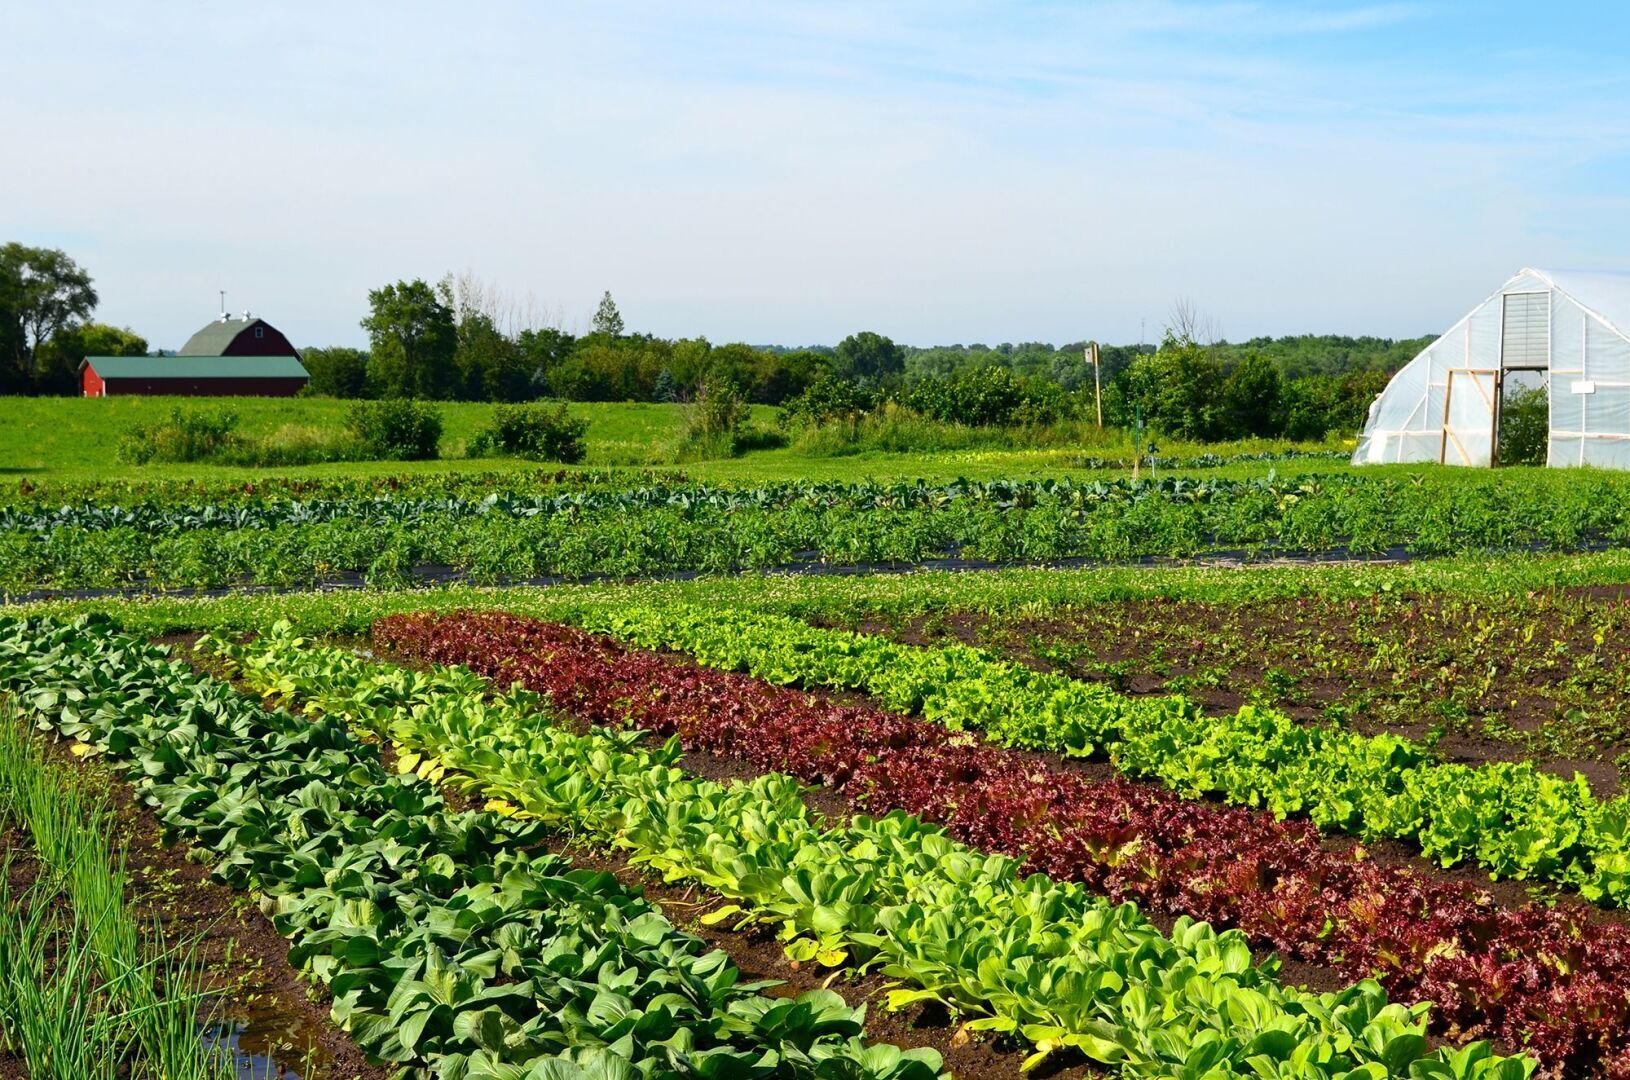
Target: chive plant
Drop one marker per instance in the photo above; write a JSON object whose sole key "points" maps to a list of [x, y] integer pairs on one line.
{"points": [[77, 962]]}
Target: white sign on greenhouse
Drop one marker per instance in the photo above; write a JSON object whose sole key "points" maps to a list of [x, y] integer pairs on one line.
{"points": [[1564, 330]]}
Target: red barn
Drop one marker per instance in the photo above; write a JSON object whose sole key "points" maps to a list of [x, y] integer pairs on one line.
{"points": [[229, 357]]}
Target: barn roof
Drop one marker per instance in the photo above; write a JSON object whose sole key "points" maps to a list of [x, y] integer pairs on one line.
{"points": [[216, 335], [197, 367]]}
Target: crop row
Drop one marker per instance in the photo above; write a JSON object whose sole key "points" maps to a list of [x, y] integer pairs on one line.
{"points": [[1545, 673], [86, 990], [1044, 960], [444, 940], [156, 512], [1511, 818], [660, 530], [1535, 976], [169, 490]]}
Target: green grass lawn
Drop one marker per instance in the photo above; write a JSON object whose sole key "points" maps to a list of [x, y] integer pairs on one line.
{"points": [[76, 439]]}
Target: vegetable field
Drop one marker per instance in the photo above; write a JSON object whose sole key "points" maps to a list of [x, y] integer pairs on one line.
{"points": [[1287, 817], [491, 528]]}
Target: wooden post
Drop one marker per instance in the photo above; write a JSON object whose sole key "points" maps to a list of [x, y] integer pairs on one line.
{"points": [[1137, 439], [1097, 383]]}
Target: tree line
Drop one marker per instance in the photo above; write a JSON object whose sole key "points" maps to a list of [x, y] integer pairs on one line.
{"points": [[456, 340], [459, 339], [442, 341]]}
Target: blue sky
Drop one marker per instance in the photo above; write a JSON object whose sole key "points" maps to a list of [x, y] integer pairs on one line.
{"points": [[939, 172]]}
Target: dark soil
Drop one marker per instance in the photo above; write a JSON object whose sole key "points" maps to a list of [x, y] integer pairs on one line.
{"points": [[1543, 678]]}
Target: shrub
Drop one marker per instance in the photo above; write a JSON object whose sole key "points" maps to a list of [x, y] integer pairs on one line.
{"points": [[1525, 426], [1320, 405], [531, 431], [1180, 389], [337, 372], [398, 429], [989, 397], [714, 421], [188, 435], [826, 400]]}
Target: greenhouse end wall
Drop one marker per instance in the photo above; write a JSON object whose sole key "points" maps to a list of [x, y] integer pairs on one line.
{"points": [[1443, 404]]}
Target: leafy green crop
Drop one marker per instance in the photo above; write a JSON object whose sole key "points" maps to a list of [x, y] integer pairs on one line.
{"points": [[449, 948], [1509, 817], [519, 533], [1042, 960]]}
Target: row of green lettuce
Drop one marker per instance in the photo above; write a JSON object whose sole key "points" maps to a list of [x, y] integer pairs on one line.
{"points": [[1041, 960], [1511, 818], [451, 947]]}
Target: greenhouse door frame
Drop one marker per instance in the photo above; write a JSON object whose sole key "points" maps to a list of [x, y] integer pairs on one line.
{"points": [[1500, 403], [1490, 400]]}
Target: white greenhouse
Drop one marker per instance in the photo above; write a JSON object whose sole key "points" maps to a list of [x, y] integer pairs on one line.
{"points": [[1565, 331]]}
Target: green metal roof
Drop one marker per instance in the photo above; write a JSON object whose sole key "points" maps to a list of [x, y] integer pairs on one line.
{"points": [[213, 339], [197, 367]]}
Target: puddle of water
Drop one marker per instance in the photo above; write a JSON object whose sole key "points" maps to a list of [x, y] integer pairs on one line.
{"points": [[267, 1051]]}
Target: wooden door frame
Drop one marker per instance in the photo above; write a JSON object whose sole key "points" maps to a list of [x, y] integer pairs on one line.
{"points": [[1493, 405], [1499, 404]]}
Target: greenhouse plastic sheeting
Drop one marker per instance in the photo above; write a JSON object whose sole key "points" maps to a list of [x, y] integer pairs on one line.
{"points": [[1572, 326]]}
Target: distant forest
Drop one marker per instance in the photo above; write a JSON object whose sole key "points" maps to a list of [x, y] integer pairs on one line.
{"points": [[462, 339], [1294, 356]]}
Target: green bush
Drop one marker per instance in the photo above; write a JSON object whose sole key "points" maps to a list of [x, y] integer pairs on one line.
{"points": [[531, 431], [188, 435], [826, 400], [337, 372], [715, 422], [1322, 405], [1525, 426], [990, 397], [397, 429]]}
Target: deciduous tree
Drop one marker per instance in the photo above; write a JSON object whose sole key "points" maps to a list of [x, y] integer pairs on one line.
{"points": [[1252, 398], [42, 292], [337, 372], [868, 355], [57, 361], [414, 339]]}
